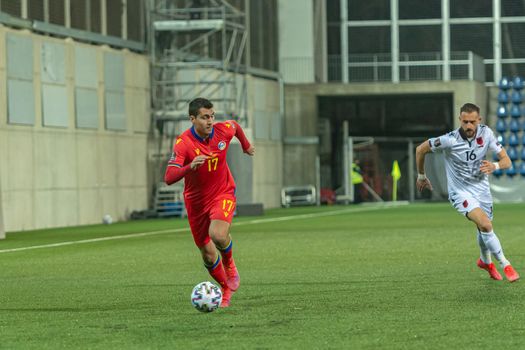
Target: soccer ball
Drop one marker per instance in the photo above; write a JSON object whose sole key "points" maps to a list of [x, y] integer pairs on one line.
{"points": [[206, 297]]}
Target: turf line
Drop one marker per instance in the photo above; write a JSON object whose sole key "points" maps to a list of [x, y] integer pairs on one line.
{"points": [[250, 222]]}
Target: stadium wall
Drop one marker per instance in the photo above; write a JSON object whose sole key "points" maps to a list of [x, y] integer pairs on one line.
{"points": [[54, 173]]}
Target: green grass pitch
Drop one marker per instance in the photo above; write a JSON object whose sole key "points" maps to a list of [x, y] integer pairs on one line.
{"points": [[357, 278]]}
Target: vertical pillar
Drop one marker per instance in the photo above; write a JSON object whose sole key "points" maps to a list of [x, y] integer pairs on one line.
{"points": [[67, 13], [124, 16], [411, 170], [346, 165], [344, 41], [496, 12], [445, 38], [394, 41], [103, 18], [24, 9]]}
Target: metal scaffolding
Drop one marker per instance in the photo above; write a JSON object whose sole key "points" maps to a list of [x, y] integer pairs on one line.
{"points": [[197, 50]]}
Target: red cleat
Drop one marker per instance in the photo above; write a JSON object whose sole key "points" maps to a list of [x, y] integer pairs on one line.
{"points": [[494, 274], [511, 274], [226, 297], [233, 275]]}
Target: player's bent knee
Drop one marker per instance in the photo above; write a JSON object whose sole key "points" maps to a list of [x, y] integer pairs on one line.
{"points": [[485, 226], [220, 237]]}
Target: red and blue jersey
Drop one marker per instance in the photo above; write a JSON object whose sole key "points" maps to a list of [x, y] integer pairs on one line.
{"points": [[214, 176]]}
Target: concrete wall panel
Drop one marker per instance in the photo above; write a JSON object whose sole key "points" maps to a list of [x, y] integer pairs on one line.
{"points": [[108, 162], [109, 201], [87, 161], [137, 101], [3, 97], [2, 49], [65, 207], [65, 164], [18, 210], [44, 160], [20, 161], [44, 208], [89, 209]]}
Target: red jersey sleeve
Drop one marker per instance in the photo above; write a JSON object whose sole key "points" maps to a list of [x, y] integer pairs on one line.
{"points": [[176, 169], [239, 133]]}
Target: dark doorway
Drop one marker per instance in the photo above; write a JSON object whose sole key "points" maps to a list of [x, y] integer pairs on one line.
{"points": [[389, 119]]}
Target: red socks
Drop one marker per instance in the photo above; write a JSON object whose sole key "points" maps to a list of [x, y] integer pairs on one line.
{"points": [[217, 272], [227, 254]]}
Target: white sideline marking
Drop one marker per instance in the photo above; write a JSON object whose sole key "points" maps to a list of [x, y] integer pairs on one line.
{"points": [[251, 222]]}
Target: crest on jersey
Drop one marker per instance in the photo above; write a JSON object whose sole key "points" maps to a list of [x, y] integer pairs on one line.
{"points": [[221, 145], [465, 203], [479, 141], [437, 143], [197, 151]]}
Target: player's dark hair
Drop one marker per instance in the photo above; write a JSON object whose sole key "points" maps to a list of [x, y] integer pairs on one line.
{"points": [[197, 104], [469, 108]]}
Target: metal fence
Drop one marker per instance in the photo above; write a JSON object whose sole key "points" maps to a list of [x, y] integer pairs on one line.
{"points": [[412, 67]]}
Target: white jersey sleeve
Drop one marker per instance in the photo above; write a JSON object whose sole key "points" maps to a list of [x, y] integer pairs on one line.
{"points": [[494, 145], [441, 143]]}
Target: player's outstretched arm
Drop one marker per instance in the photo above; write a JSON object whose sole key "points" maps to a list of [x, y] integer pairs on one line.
{"points": [[245, 144], [422, 181], [503, 163], [250, 151]]}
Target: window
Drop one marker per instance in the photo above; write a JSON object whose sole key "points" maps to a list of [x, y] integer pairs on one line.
{"points": [[359, 10], [114, 18], [513, 40], [377, 40], [469, 8], [35, 10], [114, 94], [20, 91], [95, 21], [417, 9], [134, 18], [420, 38], [12, 7], [472, 37], [56, 12], [512, 8], [333, 10], [263, 34], [80, 13]]}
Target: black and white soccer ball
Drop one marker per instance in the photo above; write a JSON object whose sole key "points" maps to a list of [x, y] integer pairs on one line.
{"points": [[206, 297]]}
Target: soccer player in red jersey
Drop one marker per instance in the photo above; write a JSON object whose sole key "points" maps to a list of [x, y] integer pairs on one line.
{"points": [[199, 156]]}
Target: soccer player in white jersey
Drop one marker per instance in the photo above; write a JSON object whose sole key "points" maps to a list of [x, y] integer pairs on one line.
{"points": [[467, 171]]}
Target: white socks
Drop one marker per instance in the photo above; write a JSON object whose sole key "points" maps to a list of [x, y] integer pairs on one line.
{"points": [[484, 251], [491, 242]]}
